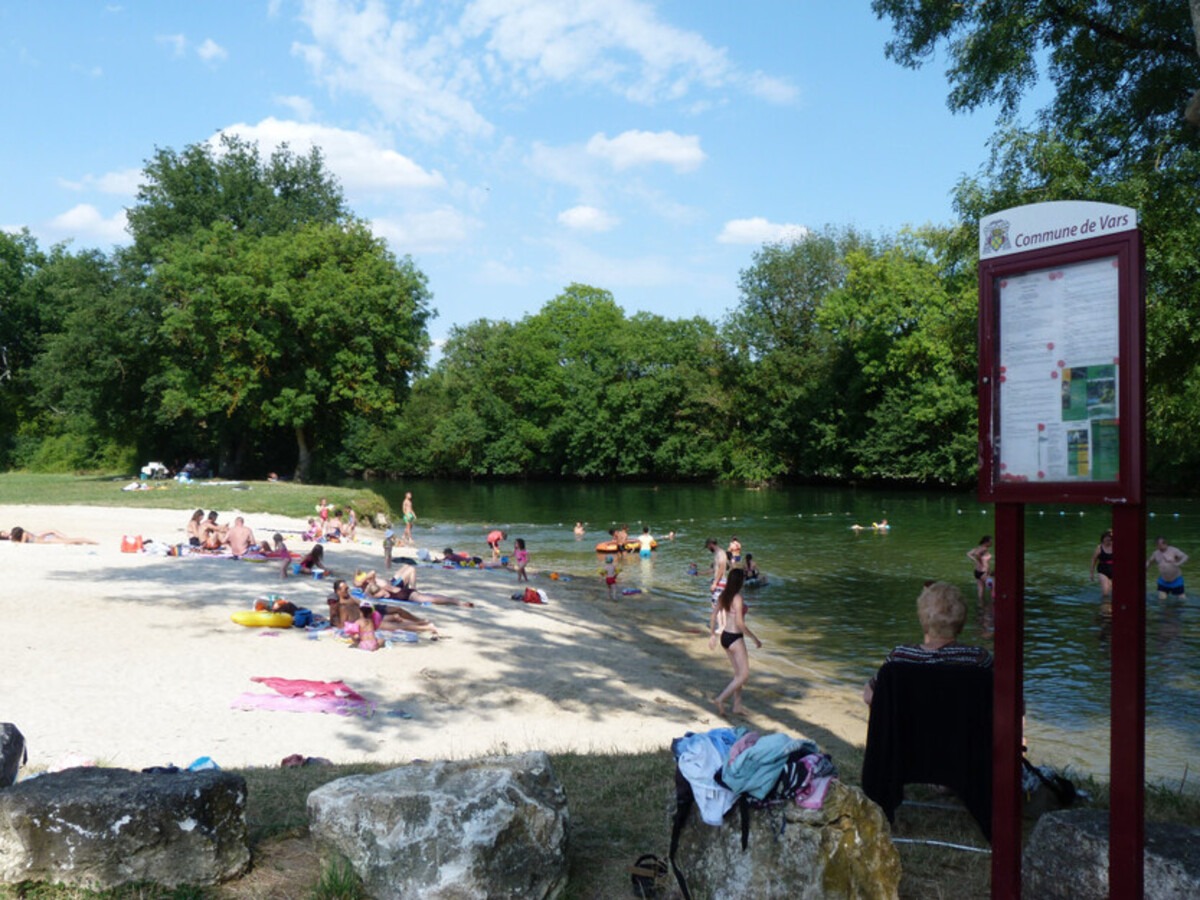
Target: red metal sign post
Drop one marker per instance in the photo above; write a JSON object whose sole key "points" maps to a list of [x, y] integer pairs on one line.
{"points": [[1062, 420]]}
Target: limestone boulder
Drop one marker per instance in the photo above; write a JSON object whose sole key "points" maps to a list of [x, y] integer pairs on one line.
{"points": [[493, 827], [12, 753], [1066, 856], [843, 850], [100, 828]]}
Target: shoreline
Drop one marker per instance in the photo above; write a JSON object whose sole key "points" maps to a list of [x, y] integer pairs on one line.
{"points": [[132, 660]]}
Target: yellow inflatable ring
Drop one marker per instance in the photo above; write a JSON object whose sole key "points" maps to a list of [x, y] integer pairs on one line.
{"points": [[261, 618]]}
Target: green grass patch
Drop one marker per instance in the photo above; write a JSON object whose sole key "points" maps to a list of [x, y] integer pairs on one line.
{"points": [[279, 497]]}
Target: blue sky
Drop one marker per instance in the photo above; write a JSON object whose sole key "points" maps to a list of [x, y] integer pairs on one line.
{"points": [[510, 146]]}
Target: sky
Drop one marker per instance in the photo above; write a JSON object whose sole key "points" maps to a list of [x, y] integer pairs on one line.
{"points": [[510, 147]]}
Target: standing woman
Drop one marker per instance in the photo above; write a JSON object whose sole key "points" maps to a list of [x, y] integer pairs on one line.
{"points": [[1102, 561], [981, 559], [732, 609]]}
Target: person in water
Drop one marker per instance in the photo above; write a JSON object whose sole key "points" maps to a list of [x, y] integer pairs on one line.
{"points": [[753, 573], [1102, 561], [1168, 559], [730, 609], [981, 560]]}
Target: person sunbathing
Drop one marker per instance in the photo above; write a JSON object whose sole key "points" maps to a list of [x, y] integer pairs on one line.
{"points": [[349, 612], [403, 587], [19, 535]]}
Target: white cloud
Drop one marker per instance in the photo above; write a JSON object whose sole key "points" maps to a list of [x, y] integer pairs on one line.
{"points": [[587, 218], [419, 82], [432, 73], [122, 183], [640, 148], [301, 107], [211, 51], [358, 160], [177, 43], [432, 231], [759, 231], [85, 223]]}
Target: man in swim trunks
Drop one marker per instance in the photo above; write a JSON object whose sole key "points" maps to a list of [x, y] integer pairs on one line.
{"points": [[1168, 559], [409, 517]]}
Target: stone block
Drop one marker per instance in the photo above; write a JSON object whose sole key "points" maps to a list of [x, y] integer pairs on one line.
{"points": [[842, 850], [1066, 857], [100, 828], [494, 827]]}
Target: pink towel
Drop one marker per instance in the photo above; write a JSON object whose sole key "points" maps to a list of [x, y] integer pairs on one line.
{"points": [[274, 703], [299, 687]]}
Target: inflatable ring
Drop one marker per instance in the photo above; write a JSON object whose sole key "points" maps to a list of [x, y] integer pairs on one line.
{"points": [[256, 618]]}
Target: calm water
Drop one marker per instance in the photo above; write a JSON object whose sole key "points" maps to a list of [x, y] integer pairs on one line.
{"points": [[840, 599]]}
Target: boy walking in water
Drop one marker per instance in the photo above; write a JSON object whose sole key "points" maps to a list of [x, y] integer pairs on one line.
{"points": [[610, 577]]}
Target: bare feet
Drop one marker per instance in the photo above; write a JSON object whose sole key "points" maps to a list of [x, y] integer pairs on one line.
{"points": [[739, 711], [720, 704]]}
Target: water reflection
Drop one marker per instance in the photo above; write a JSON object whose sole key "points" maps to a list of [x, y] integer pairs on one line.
{"points": [[839, 598]]}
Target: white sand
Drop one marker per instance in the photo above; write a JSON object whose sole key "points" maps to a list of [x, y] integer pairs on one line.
{"points": [[132, 660]]}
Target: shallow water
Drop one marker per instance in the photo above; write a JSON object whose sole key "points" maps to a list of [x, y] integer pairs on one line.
{"points": [[839, 599]]}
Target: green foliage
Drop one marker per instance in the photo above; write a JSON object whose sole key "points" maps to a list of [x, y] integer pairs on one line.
{"points": [[1123, 70]]}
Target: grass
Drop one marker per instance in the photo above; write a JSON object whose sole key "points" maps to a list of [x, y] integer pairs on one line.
{"points": [[280, 497], [620, 807]]}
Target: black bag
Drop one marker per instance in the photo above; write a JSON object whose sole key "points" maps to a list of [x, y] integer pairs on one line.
{"points": [[1045, 790]]}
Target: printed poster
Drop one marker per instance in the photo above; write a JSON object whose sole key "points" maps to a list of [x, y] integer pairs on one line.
{"points": [[1059, 362]]}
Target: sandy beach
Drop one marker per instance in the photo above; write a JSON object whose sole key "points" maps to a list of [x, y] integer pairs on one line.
{"points": [[132, 660]]}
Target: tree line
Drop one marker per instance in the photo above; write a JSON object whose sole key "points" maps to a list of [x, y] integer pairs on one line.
{"points": [[256, 322]]}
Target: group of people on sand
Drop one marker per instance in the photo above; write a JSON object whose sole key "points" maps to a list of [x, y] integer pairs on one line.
{"points": [[328, 524]]}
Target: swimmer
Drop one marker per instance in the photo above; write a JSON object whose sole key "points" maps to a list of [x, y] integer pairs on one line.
{"points": [[981, 560], [578, 529], [1102, 560], [881, 526]]}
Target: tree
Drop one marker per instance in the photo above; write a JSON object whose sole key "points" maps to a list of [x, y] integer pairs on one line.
{"points": [[779, 357], [201, 186], [21, 330], [308, 331], [1123, 71]]}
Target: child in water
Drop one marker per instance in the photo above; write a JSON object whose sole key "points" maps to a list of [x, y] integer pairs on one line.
{"points": [[610, 577], [521, 556]]}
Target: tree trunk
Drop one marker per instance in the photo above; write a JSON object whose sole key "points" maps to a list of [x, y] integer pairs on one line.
{"points": [[1192, 113], [304, 455]]}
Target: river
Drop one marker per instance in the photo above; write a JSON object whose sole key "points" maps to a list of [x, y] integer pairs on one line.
{"points": [[838, 599]]}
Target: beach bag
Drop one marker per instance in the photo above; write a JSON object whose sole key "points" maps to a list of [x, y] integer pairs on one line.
{"points": [[1045, 790], [131, 543], [302, 618]]}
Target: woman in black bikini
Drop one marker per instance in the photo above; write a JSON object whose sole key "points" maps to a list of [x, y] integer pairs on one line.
{"points": [[730, 611], [1102, 561]]}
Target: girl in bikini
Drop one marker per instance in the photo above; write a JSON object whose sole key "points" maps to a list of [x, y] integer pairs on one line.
{"points": [[733, 633]]}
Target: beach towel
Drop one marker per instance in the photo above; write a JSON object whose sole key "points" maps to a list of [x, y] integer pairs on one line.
{"points": [[300, 695]]}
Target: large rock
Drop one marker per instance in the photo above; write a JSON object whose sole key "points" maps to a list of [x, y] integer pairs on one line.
{"points": [[12, 753], [99, 828], [843, 850], [1067, 857], [494, 827]]}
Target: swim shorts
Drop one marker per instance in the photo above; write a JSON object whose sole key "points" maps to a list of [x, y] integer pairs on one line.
{"points": [[1175, 588]]}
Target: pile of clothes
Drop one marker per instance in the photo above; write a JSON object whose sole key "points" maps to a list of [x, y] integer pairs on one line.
{"points": [[726, 763]]}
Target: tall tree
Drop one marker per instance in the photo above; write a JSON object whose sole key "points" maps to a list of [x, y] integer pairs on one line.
{"points": [[1123, 70], [306, 331]]}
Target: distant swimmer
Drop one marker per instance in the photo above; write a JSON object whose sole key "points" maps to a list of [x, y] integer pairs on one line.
{"points": [[981, 559], [578, 529], [881, 526]]}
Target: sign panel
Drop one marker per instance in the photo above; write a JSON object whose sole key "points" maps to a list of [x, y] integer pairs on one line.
{"points": [[1060, 353]]}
